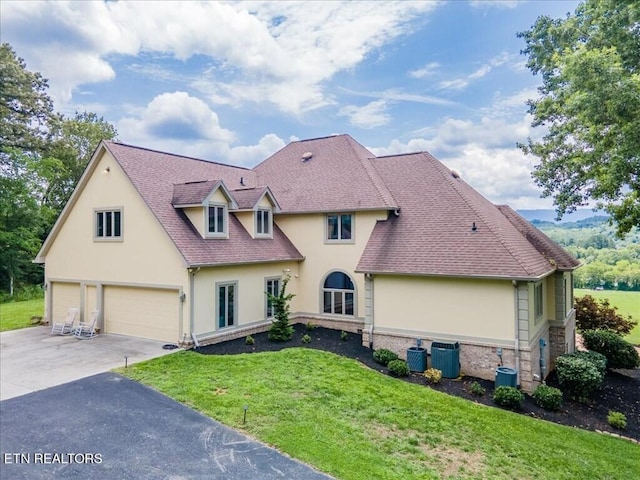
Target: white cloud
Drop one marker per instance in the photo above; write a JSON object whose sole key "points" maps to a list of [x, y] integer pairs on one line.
{"points": [[485, 69], [370, 116], [428, 70], [484, 153], [282, 52]]}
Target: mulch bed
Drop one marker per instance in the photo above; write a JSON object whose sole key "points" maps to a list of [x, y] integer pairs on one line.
{"points": [[620, 392]]}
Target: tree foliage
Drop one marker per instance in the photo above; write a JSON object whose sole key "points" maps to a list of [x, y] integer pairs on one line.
{"points": [[590, 105], [26, 111], [594, 315]]}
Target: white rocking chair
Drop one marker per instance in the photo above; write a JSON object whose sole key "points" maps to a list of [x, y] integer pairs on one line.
{"points": [[87, 329], [65, 327]]}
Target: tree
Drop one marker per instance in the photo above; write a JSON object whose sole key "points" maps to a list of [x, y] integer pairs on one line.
{"points": [[280, 330], [590, 104], [594, 315], [26, 110]]}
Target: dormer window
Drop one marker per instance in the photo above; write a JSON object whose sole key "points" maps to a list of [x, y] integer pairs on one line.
{"points": [[217, 221], [263, 223]]}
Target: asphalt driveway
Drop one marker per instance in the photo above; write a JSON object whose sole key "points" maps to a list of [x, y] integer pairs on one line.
{"points": [[109, 427], [32, 359]]}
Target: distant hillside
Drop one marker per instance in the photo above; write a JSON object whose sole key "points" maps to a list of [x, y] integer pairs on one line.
{"points": [[549, 215]]}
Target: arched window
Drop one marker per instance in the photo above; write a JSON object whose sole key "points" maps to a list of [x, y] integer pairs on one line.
{"points": [[338, 294]]}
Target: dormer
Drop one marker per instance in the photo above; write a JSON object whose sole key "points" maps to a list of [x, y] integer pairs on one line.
{"points": [[206, 204], [256, 207]]}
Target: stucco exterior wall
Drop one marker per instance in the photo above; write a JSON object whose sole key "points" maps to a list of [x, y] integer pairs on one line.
{"points": [[446, 308], [250, 295], [307, 232], [144, 256]]}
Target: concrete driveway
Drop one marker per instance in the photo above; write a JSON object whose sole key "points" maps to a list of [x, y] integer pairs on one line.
{"points": [[32, 359], [109, 427]]}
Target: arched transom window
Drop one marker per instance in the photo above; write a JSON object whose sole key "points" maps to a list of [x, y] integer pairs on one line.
{"points": [[338, 294]]}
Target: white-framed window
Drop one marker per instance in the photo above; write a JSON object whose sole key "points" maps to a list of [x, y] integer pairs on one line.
{"points": [[339, 227], [108, 224], [538, 301], [217, 221], [338, 294], [226, 294], [264, 222], [272, 286]]}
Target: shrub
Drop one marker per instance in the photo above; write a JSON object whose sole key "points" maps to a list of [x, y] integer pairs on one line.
{"points": [[310, 326], [619, 353], [343, 336], [597, 359], [476, 389], [591, 315], [281, 330], [398, 368], [433, 375], [617, 420], [578, 376], [306, 338], [384, 356], [249, 340], [547, 397], [508, 397]]}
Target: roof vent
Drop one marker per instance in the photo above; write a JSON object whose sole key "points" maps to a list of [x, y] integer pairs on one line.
{"points": [[242, 181], [455, 174], [306, 156], [473, 227]]}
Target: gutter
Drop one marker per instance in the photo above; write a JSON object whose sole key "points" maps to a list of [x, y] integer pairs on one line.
{"points": [[516, 350], [192, 273]]}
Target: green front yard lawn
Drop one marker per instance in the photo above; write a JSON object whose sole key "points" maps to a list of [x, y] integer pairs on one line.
{"points": [[628, 303], [16, 315], [353, 422]]}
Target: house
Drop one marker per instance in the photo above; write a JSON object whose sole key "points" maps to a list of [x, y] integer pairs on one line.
{"points": [[395, 248]]}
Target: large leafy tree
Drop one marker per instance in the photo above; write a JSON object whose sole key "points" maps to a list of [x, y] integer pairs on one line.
{"points": [[590, 105], [26, 110]]}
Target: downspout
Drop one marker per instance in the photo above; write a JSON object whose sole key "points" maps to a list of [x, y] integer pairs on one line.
{"points": [[192, 273], [369, 278], [516, 349]]}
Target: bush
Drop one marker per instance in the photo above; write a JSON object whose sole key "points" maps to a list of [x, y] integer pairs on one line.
{"points": [[476, 389], [310, 326], [619, 353], [508, 397], [398, 368], [384, 356], [433, 375], [281, 330], [591, 315], [249, 340], [617, 420], [547, 397], [306, 338], [343, 336], [597, 359], [578, 376]]}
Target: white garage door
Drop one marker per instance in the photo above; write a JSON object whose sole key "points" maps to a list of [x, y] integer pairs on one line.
{"points": [[63, 297], [142, 312]]}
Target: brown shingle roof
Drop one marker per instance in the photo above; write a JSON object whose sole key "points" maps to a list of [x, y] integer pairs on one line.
{"points": [[337, 177], [247, 198], [154, 173], [547, 247], [192, 193], [434, 235]]}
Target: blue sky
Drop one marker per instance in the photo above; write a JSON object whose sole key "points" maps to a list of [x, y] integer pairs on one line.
{"points": [[236, 81]]}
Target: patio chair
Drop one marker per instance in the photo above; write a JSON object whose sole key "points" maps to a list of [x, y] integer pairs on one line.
{"points": [[65, 327], [87, 329]]}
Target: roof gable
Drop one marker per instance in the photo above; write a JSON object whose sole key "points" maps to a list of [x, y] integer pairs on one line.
{"points": [[250, 198], [191, 194]]}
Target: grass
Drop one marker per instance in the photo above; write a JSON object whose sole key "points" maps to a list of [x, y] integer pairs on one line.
{"points": [[353, 423], [16, 315], [628, 303]]}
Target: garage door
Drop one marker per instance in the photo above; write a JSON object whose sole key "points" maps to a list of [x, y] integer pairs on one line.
{"points": [[63, 297], [142, 312]]}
